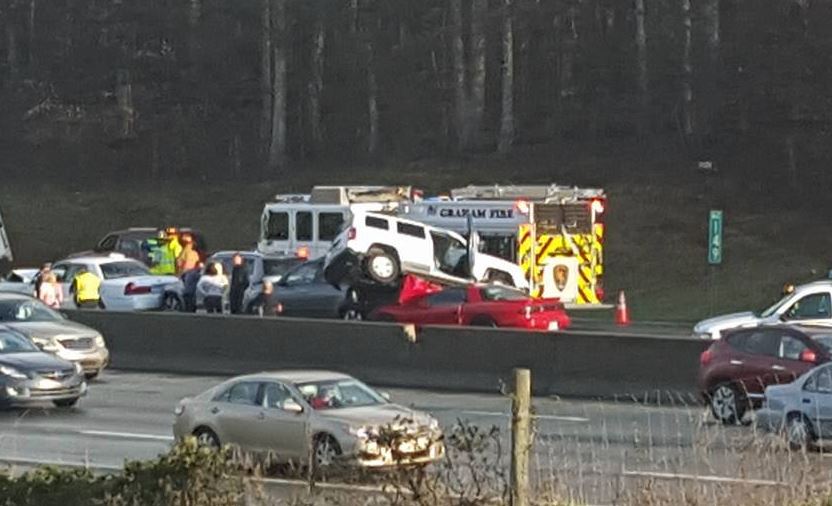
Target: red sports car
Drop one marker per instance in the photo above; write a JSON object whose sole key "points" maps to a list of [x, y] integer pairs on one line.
{"points": [[479, 305]]}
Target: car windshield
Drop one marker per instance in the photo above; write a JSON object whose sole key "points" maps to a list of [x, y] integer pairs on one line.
{"points": [[774, 307], [115, 270], [498, 292], [825, 341], [26, 311], [11, 342], [334, 394], [278, 267]]}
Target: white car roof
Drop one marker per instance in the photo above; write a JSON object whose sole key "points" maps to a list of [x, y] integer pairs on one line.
{"points": [[414, 222], [99, 260]]}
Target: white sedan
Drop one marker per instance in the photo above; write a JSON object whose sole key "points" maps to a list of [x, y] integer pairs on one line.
{"points": [[126, 284]]}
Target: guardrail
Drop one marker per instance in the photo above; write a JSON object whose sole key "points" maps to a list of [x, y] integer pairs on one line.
{"points": [[583, 364]]}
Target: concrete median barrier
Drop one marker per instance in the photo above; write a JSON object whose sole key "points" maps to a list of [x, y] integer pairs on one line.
{"points": [[583, 364]]}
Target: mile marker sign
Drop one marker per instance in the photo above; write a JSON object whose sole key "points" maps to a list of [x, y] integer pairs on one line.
{"points": [[715, 237]]}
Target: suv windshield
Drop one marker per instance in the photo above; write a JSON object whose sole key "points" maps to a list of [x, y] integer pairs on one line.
{"points": [[498, 292], [26, 311], [115, 270], [15, 343], [333, 394], [774, 307]]}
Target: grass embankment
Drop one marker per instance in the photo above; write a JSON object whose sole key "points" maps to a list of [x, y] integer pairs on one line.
{"points": [[657, 225]]}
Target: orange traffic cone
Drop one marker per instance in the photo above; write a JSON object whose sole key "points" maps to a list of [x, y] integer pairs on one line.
{"points": [[622, 315]]}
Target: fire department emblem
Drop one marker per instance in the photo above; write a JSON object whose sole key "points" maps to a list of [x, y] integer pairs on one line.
{"points": [[561, 275]]}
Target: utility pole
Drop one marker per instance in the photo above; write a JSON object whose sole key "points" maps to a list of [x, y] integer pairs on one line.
{"points": [[520, 437]]}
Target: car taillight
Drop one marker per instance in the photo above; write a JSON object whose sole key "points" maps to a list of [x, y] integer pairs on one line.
{"points": [[706, 356], [278, 309], [808, 355], [132, 289], [351, 233]]}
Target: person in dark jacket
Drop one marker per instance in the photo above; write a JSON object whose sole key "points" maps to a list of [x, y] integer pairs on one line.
{"points": [[265, 304], [239, 283]]}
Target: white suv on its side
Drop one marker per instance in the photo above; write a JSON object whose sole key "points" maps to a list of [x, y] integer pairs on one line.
{"points": [[381, 248]]}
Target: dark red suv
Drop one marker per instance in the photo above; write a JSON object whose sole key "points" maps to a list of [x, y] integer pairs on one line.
{"points": [[735, 370]]}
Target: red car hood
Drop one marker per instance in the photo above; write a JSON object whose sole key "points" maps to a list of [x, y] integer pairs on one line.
{"points": [[414, 286]]}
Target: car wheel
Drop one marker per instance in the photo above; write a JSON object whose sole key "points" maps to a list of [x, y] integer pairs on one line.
{"points": [[326, 452], [350, 308], [382, 267], [207, 438], [727, 404], [65, 403], [172, 303], [798, 432], [484, 321]]}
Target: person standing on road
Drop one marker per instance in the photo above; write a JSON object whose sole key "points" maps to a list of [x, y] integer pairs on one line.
{"points": [[239, 283], [50, 292], [40, 276], [188, 258], [156, 253], [211, 287], [265, 304], [190, 278], [86, 290]]}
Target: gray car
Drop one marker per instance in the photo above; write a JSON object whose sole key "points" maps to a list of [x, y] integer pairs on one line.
{"points": [[19, 281], [800, 410], [52, 332], [285, 414], [31, 376]]}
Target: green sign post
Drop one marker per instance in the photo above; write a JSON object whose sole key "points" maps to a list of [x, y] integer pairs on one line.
{"points": [[715, 237]]}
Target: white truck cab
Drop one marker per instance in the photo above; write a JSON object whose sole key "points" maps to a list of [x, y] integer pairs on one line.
{"points": [[381, 247], [306, 224]]}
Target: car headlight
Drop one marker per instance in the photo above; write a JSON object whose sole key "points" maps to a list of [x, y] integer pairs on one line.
{"points": [[12, 372], [47, 344], [99, 341], [78, 368], [360, 432], [433, 424]]}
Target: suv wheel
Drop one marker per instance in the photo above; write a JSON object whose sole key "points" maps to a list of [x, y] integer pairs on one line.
{"points": [[172, 303], [727, 404], [382, 267]]}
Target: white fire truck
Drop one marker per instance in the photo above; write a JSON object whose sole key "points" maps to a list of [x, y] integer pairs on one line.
{"points": [[305, 224], [554, 233]]}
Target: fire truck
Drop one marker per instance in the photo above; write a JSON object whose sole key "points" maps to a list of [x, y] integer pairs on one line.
{"points": [[554, 233]]}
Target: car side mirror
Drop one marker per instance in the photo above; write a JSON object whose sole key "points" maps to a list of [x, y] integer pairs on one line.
{"points": [[291, 406], [385, 396]]}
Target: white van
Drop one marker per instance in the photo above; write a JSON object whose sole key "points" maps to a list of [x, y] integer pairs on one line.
{"points": [[304, 224], [5, 246]]}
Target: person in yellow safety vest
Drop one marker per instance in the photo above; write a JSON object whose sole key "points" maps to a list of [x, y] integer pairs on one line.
{"points": [[157, 247], [86, 290], [170, 251]]}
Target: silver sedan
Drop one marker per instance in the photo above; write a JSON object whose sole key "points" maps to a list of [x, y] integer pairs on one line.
{"points": [[286, 414]]}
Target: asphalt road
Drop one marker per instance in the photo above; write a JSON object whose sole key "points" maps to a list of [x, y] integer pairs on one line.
{"points": [[586, 449]]}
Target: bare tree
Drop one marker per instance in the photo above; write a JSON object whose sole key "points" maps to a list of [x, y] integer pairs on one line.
{"points": [[479, 14], [31, 23], [12, 55], [124, 99], [506, 137], [459, 86], [641, 56], [316, 81], [277, 145], [687, 72], [710, 92], [372, 99], [265, 73]]}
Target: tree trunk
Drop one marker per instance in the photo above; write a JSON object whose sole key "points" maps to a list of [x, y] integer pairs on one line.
{"points": [[458, 55], [316, 83], [277, 146], [479, 19], [506, 138], [124, 99], [710, 92], [569, 48], [372, 100], [265, 75], [687, 73], [641, 55], [194, 14], [31, 22], [12, 56]]}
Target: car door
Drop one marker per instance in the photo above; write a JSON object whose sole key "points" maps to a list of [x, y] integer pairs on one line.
{"points": [[278, 431], [413, 247], [816, 400], [295, 290], [813, 308], [752, 358], [788, 365], [442, 308], [237, 413]]}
